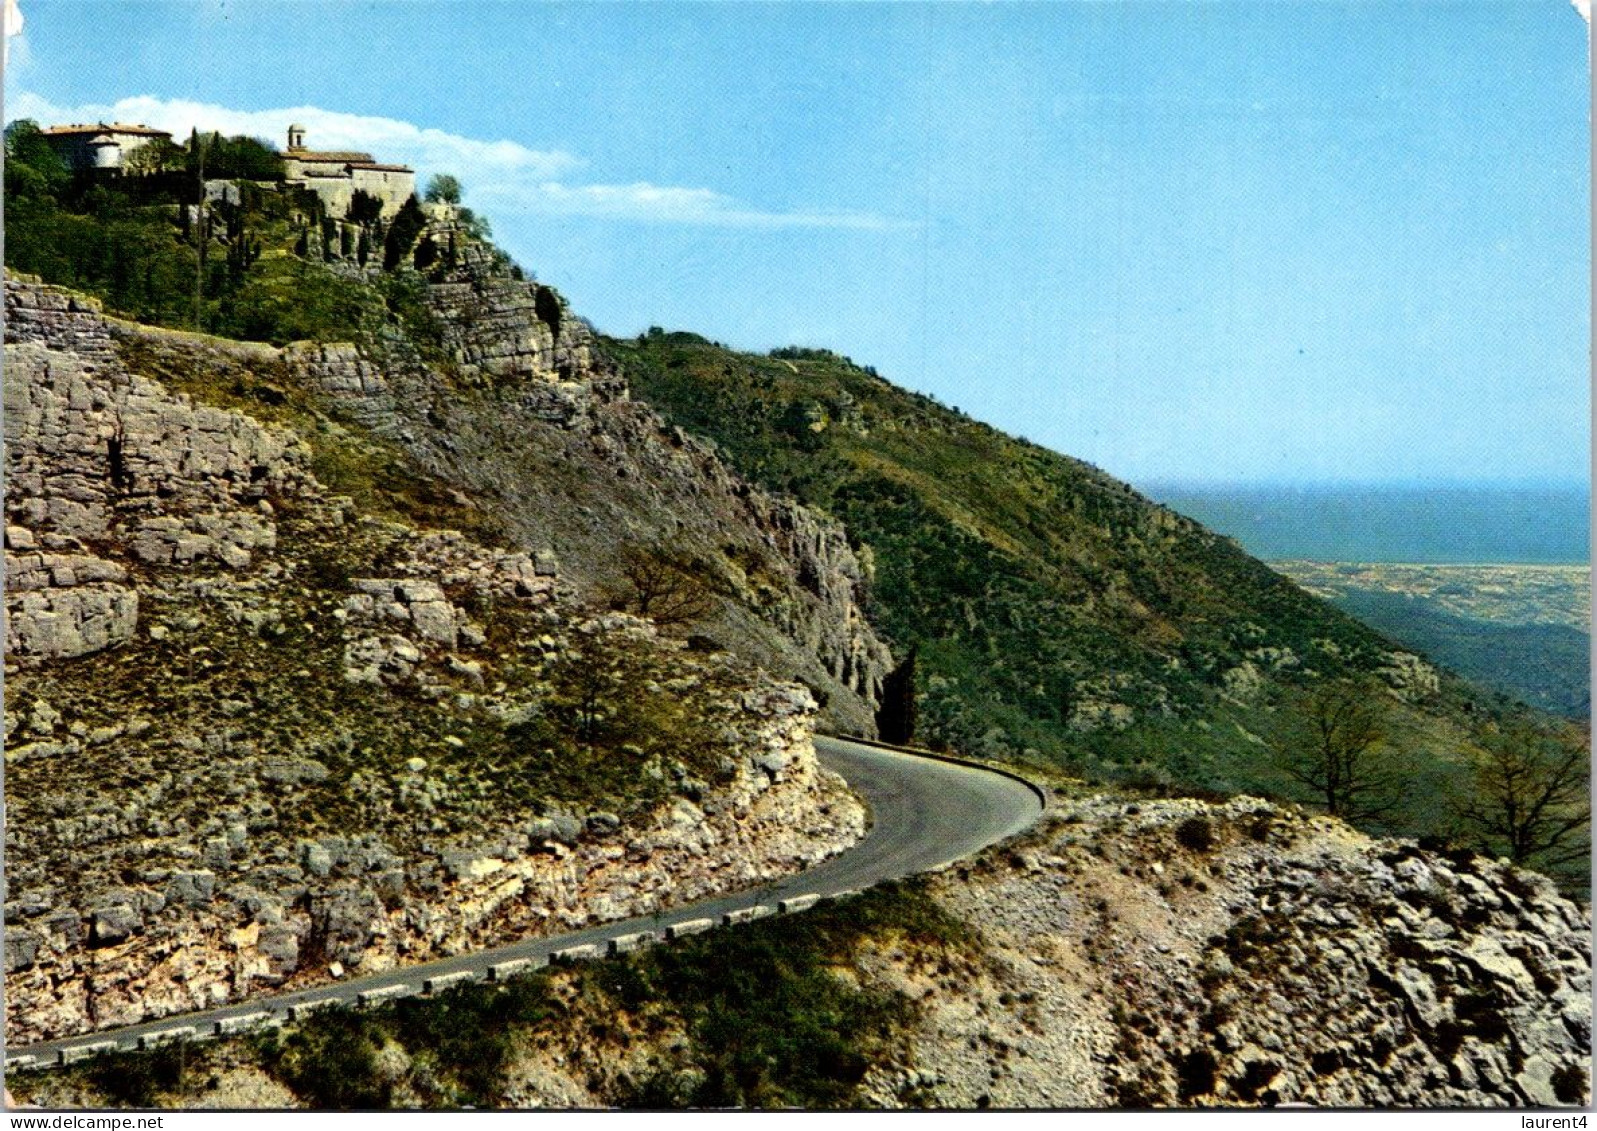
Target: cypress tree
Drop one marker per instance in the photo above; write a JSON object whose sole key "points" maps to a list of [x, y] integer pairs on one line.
{"points": [[895, 719], [402, 234]]}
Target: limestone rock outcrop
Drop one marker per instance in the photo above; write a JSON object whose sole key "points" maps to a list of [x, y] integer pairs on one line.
{"points": [[1188, 953], [257, 736], [183, 939], [526, 416]]}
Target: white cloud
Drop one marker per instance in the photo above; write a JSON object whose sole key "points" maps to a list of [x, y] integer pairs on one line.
{"points": [[500, 176], [667, 204]]}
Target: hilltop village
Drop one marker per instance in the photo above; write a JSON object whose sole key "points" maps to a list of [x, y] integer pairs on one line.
{"points": [[333, 175], [230, 235]]}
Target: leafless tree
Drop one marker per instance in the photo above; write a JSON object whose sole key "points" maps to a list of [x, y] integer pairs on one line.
{"points": [[1334, 746], [664, 586], [1531, 796]]}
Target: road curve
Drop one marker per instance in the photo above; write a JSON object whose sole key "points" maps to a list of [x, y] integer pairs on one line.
{"points": [[924, 813]]}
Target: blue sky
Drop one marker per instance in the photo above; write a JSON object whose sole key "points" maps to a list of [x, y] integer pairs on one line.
{"points": [[1299, 242]]}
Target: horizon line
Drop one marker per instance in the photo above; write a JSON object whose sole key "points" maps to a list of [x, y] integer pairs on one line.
{"points": [[1416, 483]]}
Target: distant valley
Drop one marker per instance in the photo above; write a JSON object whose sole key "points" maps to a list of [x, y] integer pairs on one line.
{"points": [[1523, 630]]}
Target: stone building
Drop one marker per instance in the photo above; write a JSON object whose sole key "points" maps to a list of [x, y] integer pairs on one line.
{"points": [[336, 175], [100, 145]]}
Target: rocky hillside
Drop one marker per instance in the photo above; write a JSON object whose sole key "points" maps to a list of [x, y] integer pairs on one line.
{"points": [[1152, 953], [1185, 953], [1059, 617], [525, 419], [435, 382], [262, 733], [428, 619]]}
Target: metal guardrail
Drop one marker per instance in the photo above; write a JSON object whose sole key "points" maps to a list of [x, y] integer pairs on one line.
{"points": [[497, 972]]}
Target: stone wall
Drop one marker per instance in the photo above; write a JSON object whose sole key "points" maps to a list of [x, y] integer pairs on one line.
{"points": [[337, 189], [391, 186]]}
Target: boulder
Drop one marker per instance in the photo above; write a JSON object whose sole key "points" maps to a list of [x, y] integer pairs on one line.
{"points": [[316, 859], [22, 947], [113, 924], [191, 889]]}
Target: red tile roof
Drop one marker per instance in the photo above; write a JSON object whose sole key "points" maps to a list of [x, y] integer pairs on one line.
{"points": [[104, 128], [381, 168], [326, 156]]}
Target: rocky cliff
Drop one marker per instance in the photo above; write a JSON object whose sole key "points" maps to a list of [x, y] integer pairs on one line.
{"points": [[259, 735], [515, 406], [1181, 953]]}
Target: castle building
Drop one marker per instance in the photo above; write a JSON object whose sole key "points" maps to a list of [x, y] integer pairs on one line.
{"points": [[101, 145], [336, 175]]}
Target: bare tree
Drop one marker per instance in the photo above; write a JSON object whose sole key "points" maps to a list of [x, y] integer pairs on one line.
{"points": [[664, 586], [1335, 747], [1531, 796]]}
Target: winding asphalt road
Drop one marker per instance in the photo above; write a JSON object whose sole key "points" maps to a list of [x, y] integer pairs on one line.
{"points": [[924, 813]]}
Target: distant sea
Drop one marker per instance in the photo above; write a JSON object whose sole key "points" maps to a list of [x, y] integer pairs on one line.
{"points": [[1474, 525]]}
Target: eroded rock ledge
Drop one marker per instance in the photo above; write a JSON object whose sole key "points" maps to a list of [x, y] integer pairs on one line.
{"points": [[1186, 953], [256, 737]]}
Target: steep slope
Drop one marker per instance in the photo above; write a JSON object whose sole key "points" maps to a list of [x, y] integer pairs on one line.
{"points": [[260, 732], [468, 395], [522, 414], [1058, 615]]}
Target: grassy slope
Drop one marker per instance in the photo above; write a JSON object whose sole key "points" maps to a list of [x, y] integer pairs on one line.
{"points": [[1038, 589]]}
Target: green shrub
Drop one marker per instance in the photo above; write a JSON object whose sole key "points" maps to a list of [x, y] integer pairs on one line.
{"points": [[331, 1061], [771, 1026], [1196, 833], [288, 300], [140, 1079]]}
